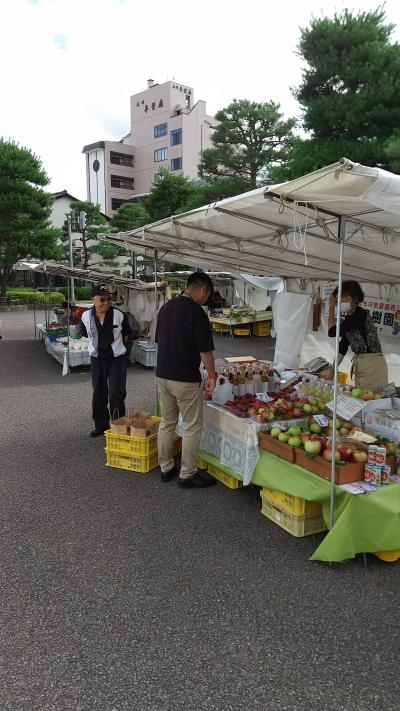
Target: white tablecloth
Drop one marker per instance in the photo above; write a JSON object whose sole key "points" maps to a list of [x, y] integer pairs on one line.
{"points": [[232, 439], [60, 353]]}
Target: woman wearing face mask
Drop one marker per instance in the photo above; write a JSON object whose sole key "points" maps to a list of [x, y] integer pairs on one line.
{"points": [[357, 331]]}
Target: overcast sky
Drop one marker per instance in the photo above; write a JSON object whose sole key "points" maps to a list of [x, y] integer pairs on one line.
{"points": [[68, 67]]}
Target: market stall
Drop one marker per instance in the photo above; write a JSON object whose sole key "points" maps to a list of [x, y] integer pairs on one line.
{"points": [[67, 346], [341, 222]]}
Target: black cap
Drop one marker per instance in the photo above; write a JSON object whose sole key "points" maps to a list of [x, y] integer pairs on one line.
{"points": [[100, 290]]}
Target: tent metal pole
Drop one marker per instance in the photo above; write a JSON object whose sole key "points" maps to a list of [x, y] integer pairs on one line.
{"points": [[341, 236], [156, 314]]}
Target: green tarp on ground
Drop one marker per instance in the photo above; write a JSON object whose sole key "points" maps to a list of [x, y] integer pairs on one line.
{"points": [[363, 523]]}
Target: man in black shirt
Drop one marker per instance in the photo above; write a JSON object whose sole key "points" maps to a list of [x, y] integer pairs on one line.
{"points": [[184, 339], [109, 334]]}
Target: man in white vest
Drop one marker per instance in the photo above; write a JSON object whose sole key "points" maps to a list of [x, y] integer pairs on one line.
{"points": [[109, 333]]}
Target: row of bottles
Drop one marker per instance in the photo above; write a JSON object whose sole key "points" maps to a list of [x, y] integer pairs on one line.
{"points": [[251, 379]]}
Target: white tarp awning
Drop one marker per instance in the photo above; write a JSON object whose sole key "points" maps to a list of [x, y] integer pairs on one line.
{"points": [[289, 230], [92, 276]]}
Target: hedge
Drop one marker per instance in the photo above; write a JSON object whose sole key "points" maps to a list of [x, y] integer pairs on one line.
{"points": [[32, 296], [82, 293]]}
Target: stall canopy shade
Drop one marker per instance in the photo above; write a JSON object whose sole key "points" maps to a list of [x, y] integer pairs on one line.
{"points": [[289, 230], [91, 276]]}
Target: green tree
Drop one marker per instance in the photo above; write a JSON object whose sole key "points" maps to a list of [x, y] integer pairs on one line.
{"points": [[215, 190], [88, 242], [349, 91], [249, 137], [129, 216], [25, 209], [168, 192]]}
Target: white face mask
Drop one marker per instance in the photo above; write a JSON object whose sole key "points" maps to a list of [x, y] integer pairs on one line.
{"points": [[344, 309]]}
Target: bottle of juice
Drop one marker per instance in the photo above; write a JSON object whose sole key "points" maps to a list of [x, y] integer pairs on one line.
{"points": [[242, 383]]}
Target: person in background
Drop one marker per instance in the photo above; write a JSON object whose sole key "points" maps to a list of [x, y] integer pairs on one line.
{"points": [[357, 331], [184, 339], [109, 334], [75, 314]]}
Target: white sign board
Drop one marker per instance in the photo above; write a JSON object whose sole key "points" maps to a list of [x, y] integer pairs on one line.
{"points": [[347, 406]]}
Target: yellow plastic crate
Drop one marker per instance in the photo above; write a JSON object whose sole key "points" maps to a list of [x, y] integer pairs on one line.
{"points": [[201, 463], [131, 444], [293, 505], [220, 326], [141, 465], [262, 328], [223, 478], [242, 332], [297, 526]]}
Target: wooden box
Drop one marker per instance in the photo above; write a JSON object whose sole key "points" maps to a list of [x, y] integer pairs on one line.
{"points": [[345, 473], [273, 445]]}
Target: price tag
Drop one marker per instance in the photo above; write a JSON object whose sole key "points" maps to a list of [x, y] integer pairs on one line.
{"points": [[347, 406], [282, 425], [321, 420]]}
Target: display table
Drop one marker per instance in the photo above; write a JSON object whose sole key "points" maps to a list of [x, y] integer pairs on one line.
{"points": [[245, 320], [234, 441], [363, 523], [66, 358]]}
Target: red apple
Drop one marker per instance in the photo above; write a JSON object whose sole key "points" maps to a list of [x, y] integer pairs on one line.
{"points": [[345, 452], [328, 455], [305, 437]]}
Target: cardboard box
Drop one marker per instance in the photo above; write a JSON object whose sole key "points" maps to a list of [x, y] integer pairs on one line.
{"points": [[385, 403], [382, 425]]}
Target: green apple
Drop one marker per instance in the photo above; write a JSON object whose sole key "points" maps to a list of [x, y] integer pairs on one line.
{"points": [[315, 428], [312, 447], [294, 431], [275, 432], [307, 408], [283, 437], [294, 441], [356, 392]]}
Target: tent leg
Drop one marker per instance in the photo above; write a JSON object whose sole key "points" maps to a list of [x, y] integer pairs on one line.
{"points": [[341, 235], [156, 308]]}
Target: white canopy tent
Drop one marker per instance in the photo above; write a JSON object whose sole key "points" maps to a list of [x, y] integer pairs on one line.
{"points": [[342, 221]]}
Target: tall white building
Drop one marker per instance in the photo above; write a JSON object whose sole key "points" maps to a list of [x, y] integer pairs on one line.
{"points": [[168, 129]]}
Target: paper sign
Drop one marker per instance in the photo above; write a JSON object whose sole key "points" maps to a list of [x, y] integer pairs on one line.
{"points": [[321, 420], [395, 477], [347, 406], [359, 436], [358, 487], [263, 397]]}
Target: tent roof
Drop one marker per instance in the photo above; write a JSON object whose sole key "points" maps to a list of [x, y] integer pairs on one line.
{"points": [[289, 230], [88, 275]]}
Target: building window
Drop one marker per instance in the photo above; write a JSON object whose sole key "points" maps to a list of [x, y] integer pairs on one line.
{"points": [[160, 154], [160, 104], [160, 130], [121, 159], [187, 101], [116, 203], [176, 164], [120, 181], [176, 137]]}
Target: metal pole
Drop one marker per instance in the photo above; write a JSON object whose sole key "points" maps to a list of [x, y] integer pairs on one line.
{"points": [[341, 235], [156, 314], [71, 257], [34, 317], [68, 301], [134, 265]]}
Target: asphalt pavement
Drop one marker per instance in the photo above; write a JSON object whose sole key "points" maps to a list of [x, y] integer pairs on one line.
{"points": [[120, 593]]}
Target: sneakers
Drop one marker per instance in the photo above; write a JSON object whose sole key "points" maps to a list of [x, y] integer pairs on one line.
{"points": [[196, 481], [96, 433], [167, 476]]}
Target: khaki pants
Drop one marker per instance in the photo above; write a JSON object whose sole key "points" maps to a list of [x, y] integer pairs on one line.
{"points": [[187, 399], [370, 371]]}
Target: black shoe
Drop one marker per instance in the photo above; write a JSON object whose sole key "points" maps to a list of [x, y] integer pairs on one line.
{"points": [[96, 433], [196, 481], [167, 476]]}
